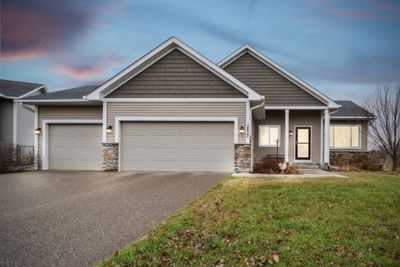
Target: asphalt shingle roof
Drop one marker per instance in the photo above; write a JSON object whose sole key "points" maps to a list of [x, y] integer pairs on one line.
{"points": [[350, 109], [15, 88], [72, 93]]}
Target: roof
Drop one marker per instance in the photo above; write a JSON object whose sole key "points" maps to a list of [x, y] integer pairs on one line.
{"points": [[350, 110], [156, 54], [285, 73], [76, 93], [16, 89]]}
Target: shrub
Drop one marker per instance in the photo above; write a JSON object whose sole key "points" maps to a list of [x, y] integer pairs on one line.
{"points": [[14, 159], [270, 165], [369, 161]]}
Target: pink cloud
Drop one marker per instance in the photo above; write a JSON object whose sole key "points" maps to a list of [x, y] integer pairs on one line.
{"points": [[80, 72]]}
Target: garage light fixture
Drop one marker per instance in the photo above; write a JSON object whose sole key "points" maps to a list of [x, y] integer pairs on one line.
{"points": [[38, 131], [290, 132], [241, 130], [109, 129]]}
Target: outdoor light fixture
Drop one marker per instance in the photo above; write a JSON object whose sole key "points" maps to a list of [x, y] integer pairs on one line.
{"points": [[241, 130], [38, 131], [109, 129], [290, 132]]}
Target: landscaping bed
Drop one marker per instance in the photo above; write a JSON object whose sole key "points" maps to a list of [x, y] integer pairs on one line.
{"points": [[255, 222]]}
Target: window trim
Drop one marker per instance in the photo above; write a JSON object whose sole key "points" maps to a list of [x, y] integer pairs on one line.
{"points": [[259, 135], [351, 137]]}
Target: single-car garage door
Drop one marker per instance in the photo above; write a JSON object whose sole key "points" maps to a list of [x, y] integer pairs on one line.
{"points": [[177, 146], [75, 147]]}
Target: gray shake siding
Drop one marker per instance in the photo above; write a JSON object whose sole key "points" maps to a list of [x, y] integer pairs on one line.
{"points": [[176, 76], [237, 109], [266, 81], [66, 113]]}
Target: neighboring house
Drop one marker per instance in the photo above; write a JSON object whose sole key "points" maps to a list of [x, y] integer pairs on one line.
{"points": [[17, 119], [175, 110]]}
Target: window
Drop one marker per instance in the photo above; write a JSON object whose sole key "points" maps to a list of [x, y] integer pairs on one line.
{"points": [[345, 136], [268, 134]]}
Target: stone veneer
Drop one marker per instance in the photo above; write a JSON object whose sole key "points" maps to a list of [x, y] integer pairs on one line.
{"points": [[242, 157], [110, 156]]}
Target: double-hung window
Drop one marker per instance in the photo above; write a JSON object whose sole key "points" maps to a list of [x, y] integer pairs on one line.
{"points": [[268, 135], [345, 136]]}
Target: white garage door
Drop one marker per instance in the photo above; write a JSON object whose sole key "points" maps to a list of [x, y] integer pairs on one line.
{"points": [[75, 147], [177, 146]]}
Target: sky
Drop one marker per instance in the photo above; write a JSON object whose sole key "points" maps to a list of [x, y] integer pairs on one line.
{"points": [[346, 49]]}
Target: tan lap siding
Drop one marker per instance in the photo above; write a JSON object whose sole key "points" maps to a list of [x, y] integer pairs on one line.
{"points": [[277, 89], [66, 113], [237, 109]]}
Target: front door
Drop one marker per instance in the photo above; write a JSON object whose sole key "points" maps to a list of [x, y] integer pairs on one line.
{"points": [[303, 143]]}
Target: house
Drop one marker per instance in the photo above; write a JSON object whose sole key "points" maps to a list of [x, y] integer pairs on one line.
{"points": [[173, 109], [16, 119]]}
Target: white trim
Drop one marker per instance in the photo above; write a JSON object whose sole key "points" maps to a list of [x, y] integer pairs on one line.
{"points": [[350, 118], [294, 144], [15, 123], [321, 142], [36, 137], [269, 125], [45, 136], [154, 55], [34, 90], [270, 63], [351, 137], [287, 135], [104, 127], [295, 107], [50, 100], [326, 136], [175, 99]]}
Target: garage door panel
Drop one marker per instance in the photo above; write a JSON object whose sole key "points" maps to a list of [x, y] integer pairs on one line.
{"points": [[196, 146], [75, 147]]}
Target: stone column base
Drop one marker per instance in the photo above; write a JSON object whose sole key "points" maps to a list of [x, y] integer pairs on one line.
{"points": [[110, 156], [242, 158]]}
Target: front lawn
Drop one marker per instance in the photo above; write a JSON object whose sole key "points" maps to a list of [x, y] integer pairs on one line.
{"points": [[247, 221]]}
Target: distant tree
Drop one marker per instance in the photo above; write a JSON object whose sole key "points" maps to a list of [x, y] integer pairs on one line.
{"points": [[384, 105]]}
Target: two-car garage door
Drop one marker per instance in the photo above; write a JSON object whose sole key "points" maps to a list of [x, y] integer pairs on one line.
{"points": [[164, 146], [177, 146]]}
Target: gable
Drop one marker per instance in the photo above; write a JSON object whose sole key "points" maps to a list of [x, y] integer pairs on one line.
{"points": [[176, 76], [278, 90]]}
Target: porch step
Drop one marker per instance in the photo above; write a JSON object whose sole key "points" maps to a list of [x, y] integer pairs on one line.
{"points": [[307, 166]]}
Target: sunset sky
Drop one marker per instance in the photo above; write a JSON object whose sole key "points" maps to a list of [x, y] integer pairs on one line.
{"points": [[343, 48]]}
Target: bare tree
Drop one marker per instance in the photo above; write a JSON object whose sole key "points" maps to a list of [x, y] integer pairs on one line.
{"points": [[384, 105]]}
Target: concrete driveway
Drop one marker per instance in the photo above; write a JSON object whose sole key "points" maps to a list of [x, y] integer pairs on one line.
{"points": [[78, 218]]}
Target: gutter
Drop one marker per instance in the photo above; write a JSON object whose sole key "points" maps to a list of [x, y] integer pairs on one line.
{"points": [[251, 130]]}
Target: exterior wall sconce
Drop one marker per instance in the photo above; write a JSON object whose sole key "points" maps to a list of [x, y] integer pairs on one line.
{"points": [[241, 130], [109, 129], [38, 131], [290, 132]]}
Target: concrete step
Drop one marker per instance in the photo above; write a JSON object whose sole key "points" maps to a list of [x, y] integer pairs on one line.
{"points": [[308, 166]]}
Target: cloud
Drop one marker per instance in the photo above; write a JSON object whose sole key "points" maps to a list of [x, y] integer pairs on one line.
{"points": [[32, 28], [80, 71], [74, 68]]}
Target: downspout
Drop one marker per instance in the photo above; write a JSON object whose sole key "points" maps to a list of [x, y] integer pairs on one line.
{"points": [[251, 130]]}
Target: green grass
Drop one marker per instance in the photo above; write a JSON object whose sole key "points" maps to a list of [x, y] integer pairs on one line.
{"points": [[242, 221]]}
